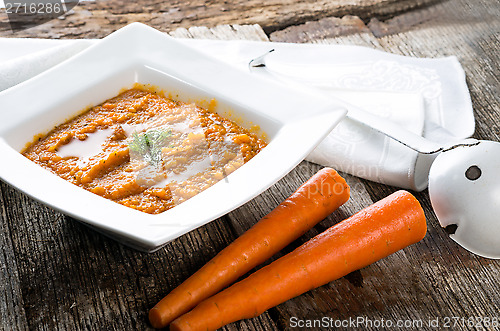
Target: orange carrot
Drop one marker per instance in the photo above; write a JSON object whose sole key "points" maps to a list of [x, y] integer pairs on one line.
{"points": [[375, 232], [312, 202]]}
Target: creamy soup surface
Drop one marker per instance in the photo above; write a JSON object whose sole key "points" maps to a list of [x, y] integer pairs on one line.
{"points": [[145, 151]]}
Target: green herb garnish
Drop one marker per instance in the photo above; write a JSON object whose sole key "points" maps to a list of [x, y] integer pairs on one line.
{"points": [[148, 144]]}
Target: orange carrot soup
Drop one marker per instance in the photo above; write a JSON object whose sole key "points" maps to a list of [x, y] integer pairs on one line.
{"points": [[145, 151]]}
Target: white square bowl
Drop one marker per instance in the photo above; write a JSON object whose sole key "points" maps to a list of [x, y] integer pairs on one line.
{"points": [[293, 121]]}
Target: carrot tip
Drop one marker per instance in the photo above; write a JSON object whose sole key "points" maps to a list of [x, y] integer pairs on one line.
{"points": [[155, 318]]}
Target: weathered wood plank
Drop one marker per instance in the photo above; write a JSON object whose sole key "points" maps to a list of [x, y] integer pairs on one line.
{"points": [[222, 32], [11, 300], [100, 18]]}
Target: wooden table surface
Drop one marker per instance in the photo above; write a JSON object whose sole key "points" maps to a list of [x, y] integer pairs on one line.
{"points": [[57, 274]]}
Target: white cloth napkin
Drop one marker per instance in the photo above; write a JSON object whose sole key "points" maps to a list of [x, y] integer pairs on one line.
{"points": [[428, 97]]}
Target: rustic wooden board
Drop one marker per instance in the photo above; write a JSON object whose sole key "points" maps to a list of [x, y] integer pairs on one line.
{"points": [[100, 18], [11, 302], [57, 274]]}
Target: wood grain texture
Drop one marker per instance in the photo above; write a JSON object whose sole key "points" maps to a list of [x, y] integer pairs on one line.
{"points": [[57, 274], [11, 300], [222, 32], [100, 18]]}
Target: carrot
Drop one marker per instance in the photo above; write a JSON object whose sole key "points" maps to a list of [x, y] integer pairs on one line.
{"points": [[312, 202], [375, 232]]}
